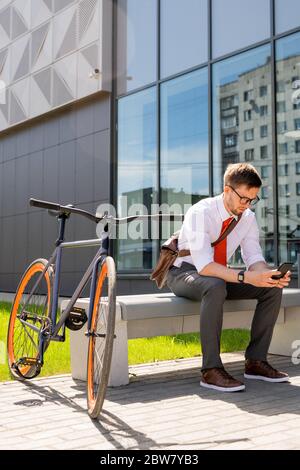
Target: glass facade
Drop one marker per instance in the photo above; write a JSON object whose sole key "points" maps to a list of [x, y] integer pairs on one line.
{"points": [[240, 126], [183, 23], [288, 140], [287, 14], [137, 43], [245, 107], [238, 23], [184, 139], [137, 177]]}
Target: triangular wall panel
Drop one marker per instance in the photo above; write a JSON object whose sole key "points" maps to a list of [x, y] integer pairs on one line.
{"points": [[91, 55], [86, 12], [21, 92], [40, 92], [24, 8], [43, 81], [23, 67], [17, 112], [5, 22], [38, 38], [69, 41], [60, 4], [40, 13], [4, 102], [48, 51], [49, 4], [61, 93], [18, 25], [3, 57]]}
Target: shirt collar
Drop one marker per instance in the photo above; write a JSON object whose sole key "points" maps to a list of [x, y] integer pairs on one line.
{"points": [[222, 209]]}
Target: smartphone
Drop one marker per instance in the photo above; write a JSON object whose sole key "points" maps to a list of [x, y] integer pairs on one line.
{"points": [[283, 268]]}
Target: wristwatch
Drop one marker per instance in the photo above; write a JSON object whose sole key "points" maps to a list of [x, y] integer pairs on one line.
{"points": [[241, 276]]}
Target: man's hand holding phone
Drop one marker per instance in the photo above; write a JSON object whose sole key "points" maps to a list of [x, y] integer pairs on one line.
{"points": [[270, 278], [284, 276]]}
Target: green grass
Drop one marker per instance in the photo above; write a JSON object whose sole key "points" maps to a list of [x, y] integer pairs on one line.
{"points": [[181, 346], [57, 356]]}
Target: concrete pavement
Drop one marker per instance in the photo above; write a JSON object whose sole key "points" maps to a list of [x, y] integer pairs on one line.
{"points": [[162, 408]]}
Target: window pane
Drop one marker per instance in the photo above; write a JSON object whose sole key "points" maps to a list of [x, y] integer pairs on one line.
{"points": [[183, 35], [136, 58], [137, 176], [241, 90], [288, 144], [184, 139], [238, 23], [287, 15]]}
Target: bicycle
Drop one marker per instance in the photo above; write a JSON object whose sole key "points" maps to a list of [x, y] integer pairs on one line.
{"points": [[34, 322]]}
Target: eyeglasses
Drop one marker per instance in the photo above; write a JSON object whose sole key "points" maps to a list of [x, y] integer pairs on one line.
{"points": [[245, 200]]}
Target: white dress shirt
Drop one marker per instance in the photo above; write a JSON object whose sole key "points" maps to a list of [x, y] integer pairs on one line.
{"points": [[202, 225]]}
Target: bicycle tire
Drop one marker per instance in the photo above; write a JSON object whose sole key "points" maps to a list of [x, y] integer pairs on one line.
{"points": [[32, 368], [97, 380]]}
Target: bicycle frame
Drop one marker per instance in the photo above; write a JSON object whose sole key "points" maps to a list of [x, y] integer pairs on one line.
{"points": [[91, 272]]}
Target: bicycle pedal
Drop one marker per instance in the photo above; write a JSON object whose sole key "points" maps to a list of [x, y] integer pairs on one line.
{"points": [[34, 364], [27, 361]]}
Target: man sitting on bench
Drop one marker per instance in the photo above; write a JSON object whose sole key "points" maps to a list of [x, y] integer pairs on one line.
{"points": [[203, 275]]}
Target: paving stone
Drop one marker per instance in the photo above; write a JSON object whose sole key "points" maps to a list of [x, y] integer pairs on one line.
{"points": [[163, 407]]}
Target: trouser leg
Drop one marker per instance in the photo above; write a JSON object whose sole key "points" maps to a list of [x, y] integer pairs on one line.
{"points": [[265, 315], [211, 291]]}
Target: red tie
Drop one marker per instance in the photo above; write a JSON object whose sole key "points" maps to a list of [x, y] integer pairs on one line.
{"points": [[220, 250]]}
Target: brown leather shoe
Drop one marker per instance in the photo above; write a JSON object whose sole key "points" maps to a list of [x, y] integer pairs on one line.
{"points": [[218, 379], [262, 370]]}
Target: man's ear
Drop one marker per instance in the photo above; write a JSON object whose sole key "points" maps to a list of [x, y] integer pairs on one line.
{"points": [[226, 189]]}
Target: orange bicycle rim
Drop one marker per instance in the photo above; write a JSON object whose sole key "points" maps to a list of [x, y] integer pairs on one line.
{"points": [[38, 267], [90, 374]]}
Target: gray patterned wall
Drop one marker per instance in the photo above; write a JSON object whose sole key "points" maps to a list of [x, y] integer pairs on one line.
{"points": [[48, 50], [62, 158]]}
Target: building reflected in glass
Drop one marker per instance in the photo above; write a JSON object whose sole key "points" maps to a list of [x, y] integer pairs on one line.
{"points": [[244, 107]]}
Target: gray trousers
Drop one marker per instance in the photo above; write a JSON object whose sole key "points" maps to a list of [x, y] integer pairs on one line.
{"points": [[212, 292]]}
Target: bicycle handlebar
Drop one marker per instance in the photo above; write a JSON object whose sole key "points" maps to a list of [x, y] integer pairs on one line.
{"points": [[67, 210]]}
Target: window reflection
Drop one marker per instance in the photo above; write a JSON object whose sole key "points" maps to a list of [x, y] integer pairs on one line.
{"points": [[238, 23], [183, 35], [137, 175], [136, 43], [184, 140], [242, 129], [288, 145], [286, 15]]}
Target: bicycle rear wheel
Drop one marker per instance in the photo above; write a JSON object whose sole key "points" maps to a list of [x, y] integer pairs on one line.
{"points": [[101, 337], [30, 314]]}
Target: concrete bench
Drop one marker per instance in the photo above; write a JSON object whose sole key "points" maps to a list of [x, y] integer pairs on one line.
{"points": [[146, 315]]}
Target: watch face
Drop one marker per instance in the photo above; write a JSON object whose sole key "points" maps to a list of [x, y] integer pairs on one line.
{"points": [[241, 276]]}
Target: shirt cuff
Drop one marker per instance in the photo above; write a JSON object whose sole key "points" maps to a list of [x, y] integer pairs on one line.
{"points": [[254, 259]]}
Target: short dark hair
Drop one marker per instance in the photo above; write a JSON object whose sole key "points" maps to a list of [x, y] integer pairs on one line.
{"points": [[237, 174]]}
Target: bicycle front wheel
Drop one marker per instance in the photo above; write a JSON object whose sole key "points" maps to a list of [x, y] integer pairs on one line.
{"points": [[30, 314], [101, 337]]}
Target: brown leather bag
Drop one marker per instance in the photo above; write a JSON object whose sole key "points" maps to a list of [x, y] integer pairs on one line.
{"points": [[169, 252]]}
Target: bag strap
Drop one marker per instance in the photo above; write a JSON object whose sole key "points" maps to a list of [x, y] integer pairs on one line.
{"points": [[227, 231], [223, 235]]}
